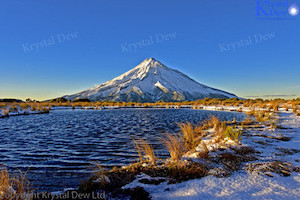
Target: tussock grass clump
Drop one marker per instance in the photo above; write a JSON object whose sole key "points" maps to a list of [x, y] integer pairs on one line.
{"points": [[100, 174], [275, 106], [24, 106], [215, 122], [205, 153], [14, 108], [220, 132], [198, 130], [144, 149], [279, 167], [4, 112], [174, 146], [5, 181], [273, 125], [188, 136], [261, 116], [14, 187], [295, 108], [234, 120], [33, 108]]}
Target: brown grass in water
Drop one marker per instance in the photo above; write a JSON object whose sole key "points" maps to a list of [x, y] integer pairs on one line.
{"points": [[174, 146], [101, 174], [145, 149]]}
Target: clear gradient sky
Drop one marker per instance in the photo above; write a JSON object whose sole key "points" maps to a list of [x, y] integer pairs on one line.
{"points": [[51, 48]]}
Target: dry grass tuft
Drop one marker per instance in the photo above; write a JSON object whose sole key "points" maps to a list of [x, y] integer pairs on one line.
{"points": [[145, 150], [188, 136], [261, 116], [139, 150], [4, 112], [205, 153], [295, 108], [215, 122], [14, 187], [100, 174], [221, 130], [173, 144]]}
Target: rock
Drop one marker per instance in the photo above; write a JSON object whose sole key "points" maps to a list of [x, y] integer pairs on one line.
{"points": [[137, 193], [152, 181], [103, 180]]}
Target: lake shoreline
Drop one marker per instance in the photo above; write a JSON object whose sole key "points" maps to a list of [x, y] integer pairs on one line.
{"points": [[157, 180], [142, 177]]}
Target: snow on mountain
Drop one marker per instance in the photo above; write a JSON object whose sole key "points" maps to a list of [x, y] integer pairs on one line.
{"points": [[150, 81]]}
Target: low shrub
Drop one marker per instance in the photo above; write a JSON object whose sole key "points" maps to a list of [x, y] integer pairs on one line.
{"points": [[233, 133]]}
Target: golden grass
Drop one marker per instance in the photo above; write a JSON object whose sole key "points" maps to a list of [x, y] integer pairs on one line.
{"points": [[260, 116], [295, 108], [251, 103], [173, 144], [215, 122], [139, 150], [205, 153], [220, 132], [188, 136], [275, 106], [4, 112], [14, 187], [5, 181], [100, 173], [144, 149]]}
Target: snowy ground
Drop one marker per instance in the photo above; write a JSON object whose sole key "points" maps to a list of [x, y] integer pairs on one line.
{"points": [[245, 184]]}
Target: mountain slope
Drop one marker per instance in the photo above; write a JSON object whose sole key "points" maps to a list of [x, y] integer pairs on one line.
{"points": [[150, 81]]}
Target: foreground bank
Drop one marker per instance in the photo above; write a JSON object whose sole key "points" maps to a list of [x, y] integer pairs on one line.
{"points": [[262, 164]]}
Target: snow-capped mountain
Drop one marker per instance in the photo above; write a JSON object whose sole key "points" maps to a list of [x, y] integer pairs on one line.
{"points": [[150, 81]]}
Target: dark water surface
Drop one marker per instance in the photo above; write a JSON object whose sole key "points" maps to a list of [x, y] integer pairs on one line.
{"points": [[57, 149]]}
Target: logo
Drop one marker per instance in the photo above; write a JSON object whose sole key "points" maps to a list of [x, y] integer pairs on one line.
{"points": [[276, 9]]}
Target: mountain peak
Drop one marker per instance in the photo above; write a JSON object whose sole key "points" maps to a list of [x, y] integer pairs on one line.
{"points": [[151, 59], [150, 81], [151, 63]]}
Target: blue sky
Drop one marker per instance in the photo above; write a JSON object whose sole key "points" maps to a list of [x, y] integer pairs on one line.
{"points": [[52, 48]]}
